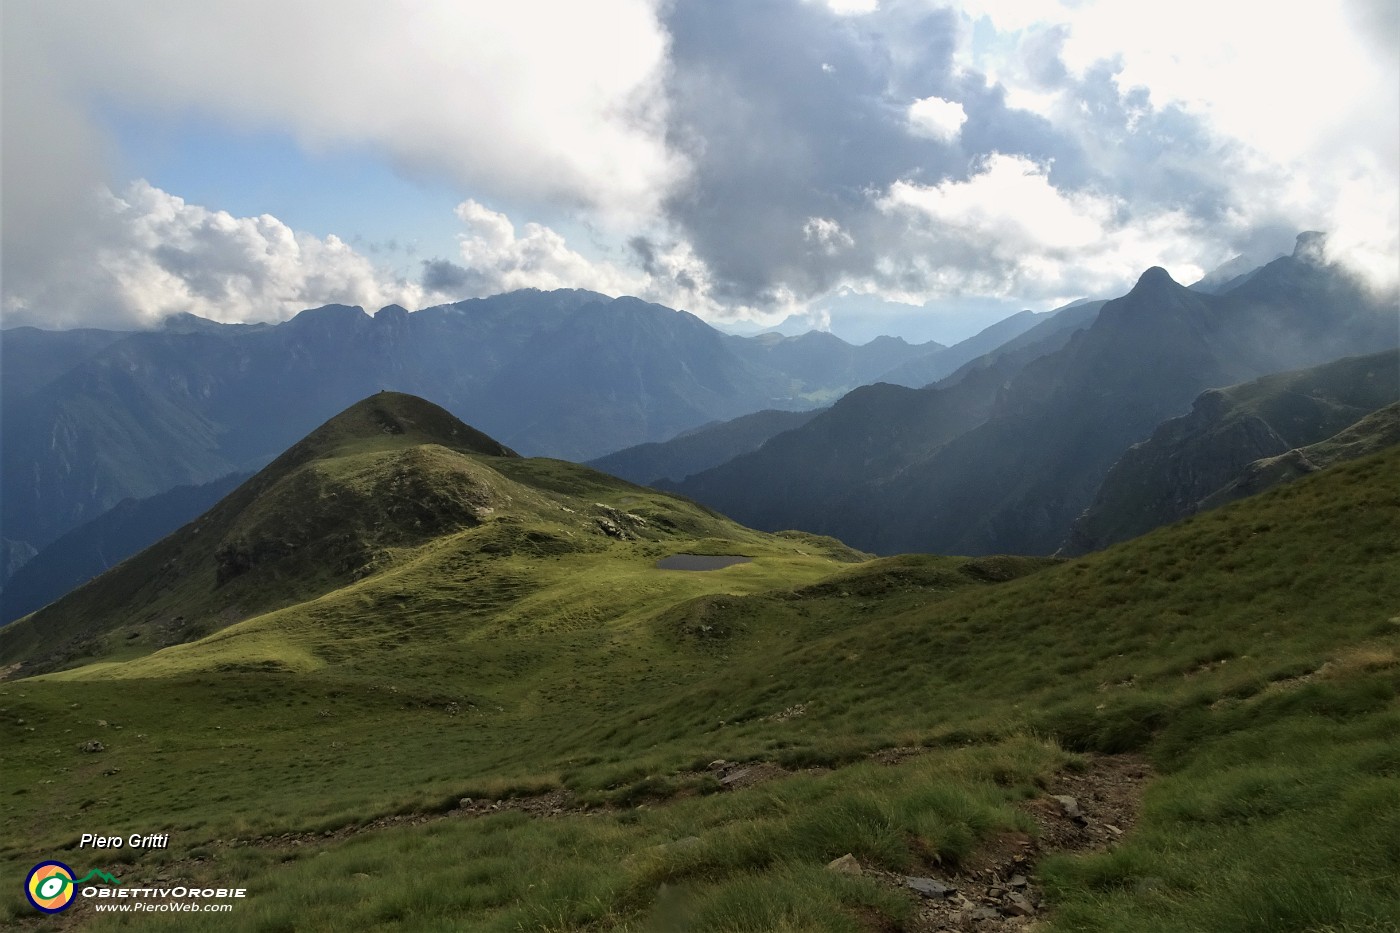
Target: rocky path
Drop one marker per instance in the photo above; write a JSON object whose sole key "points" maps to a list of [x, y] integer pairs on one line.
{"points": [[995, 890]]}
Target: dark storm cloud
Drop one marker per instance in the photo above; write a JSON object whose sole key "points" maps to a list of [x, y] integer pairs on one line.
{"points": [[790, 112], [784, 109]]}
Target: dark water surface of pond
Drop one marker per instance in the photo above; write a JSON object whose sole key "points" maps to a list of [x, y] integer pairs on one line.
{"points": [[700, 561]]}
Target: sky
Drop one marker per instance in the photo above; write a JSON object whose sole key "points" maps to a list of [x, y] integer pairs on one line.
{"points": [[865, 166]]}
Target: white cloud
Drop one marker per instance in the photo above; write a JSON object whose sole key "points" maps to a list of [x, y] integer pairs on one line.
{"points": [[500, 259], [153, 255], [531, 99], [538, 258], [552, 106], [1011, 203], [558, 111], [159, 255], [937, 118], [1248, 71], [1306, 97], [1013, 15], [852, 7], [827, 235], [817, 319], [1007, 231]]}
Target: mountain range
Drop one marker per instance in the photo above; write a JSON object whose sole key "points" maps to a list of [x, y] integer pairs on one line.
{"points": [[1008, 465], [1012, 439], [94, 417]]}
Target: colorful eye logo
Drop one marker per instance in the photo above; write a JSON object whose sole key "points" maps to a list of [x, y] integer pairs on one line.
{"points": [[49, 887]]}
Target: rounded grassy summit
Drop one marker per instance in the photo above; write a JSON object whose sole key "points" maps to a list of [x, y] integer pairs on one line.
{"points": [[393, 419], [391, 482]]}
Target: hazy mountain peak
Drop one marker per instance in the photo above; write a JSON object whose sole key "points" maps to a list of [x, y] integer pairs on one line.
{"points": [[391, 313], [329, 314], [182, 322], [1311, 247], [1154, 279], [885, 340]]}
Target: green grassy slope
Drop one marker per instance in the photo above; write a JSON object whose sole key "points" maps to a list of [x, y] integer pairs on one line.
{"points": [[390, 470], [1252, 652], [358, 496]]}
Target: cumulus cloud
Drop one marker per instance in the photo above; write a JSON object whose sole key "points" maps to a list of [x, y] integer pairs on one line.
{"points": [[737, 159], [790, 111], [937, 118], [1296, 108], [541, 103], [160, 255], [1140, 138], [496, 257], [500, 260], [852, 7], [797, 167], [827, 235], [1009, 232], [533, 99]]}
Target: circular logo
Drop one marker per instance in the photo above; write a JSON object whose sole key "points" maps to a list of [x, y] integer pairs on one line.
{"points": [[49, 887]]}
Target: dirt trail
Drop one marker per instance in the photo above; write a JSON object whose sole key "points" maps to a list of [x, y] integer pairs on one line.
{"points": [[996, 890]]}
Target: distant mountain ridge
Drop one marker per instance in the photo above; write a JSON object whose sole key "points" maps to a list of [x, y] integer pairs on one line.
{"points": [[1017, 338], [568, 373], [930, 369], [1188, 458], [96, 546], [1011, 467], [701, 448]]}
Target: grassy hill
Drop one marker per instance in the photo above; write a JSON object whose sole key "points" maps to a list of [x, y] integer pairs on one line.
{"points": [[911, 711]]}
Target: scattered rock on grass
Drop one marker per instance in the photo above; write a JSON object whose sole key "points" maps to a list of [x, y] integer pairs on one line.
{"points": [[930, 887], [1070, 807], [845, 865]]}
